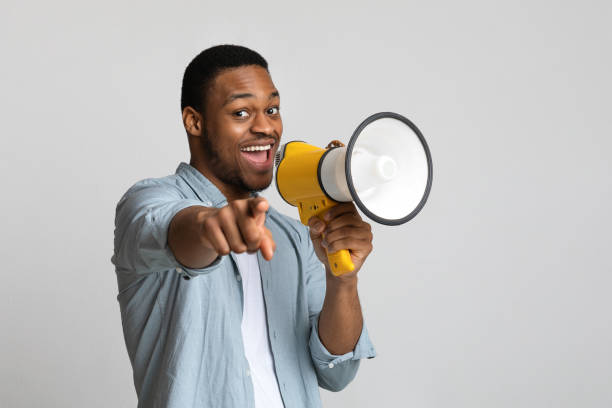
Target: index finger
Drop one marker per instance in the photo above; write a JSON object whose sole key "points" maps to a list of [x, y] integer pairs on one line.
{"points": [[342, 208]]}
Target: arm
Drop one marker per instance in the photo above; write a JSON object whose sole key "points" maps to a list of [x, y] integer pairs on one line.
{"points": [[158, 229], [340, 321], [142, 217], [185, 237], [339, 338]]}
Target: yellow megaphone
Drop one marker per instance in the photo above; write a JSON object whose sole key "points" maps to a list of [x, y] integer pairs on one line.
{"points": [[386, 170]]}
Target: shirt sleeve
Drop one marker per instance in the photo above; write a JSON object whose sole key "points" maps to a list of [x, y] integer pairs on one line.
{"points": [[142, 218], [334, 372]]}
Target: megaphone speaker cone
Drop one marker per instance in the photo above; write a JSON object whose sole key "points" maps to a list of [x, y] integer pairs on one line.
{"points": [[386, 169]]}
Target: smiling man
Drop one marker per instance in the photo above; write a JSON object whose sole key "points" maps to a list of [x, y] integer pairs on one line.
{"points": [[224, 301]]}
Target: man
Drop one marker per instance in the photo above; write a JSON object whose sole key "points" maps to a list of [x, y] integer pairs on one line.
{"points": [[224, 301]]}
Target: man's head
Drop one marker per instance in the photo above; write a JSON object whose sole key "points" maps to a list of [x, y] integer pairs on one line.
{"points": [[231, 114]]}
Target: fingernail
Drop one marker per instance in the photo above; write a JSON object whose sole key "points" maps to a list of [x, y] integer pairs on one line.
{"points": [[324, 243], [327, 216]]}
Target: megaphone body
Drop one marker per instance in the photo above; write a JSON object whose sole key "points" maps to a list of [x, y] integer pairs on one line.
{"points": [[385, 169]]}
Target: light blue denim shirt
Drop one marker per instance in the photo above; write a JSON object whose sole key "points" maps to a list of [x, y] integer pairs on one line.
{"points": [[182, 325]]}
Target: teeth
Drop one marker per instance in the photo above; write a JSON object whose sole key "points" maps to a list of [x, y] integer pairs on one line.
{"points": [[256, 148]]}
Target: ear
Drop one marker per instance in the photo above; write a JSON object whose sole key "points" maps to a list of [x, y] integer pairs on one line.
{"points": [[193, 121]]}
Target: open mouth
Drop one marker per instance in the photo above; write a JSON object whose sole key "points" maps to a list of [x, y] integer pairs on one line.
{"points": [[259, 156]]}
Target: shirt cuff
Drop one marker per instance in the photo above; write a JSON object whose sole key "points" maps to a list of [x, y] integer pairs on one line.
{"points": [[324, 359]]}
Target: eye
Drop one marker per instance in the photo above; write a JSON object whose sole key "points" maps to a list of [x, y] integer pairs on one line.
{"points": [[242, 113], [273, 110]]}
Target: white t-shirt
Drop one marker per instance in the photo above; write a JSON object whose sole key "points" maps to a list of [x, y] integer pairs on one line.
{"points": [[255, 335]]}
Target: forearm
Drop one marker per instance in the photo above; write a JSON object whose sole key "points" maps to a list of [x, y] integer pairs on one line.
{"points": [[185, 238], [340, 320]]}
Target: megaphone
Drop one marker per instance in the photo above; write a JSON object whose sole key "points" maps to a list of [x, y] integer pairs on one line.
{"points": [[385, 169]]}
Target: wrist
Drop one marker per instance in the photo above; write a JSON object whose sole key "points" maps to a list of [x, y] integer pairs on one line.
{"points": [[341, 283]]}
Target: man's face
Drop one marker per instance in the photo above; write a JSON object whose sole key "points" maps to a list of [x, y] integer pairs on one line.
{"points": [[243, 128]]}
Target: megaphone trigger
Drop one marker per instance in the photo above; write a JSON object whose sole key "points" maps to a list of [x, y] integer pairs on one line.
{"points": [[340, 262]]}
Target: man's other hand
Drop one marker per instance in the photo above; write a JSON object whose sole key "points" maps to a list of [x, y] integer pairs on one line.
{"points": [[343, 229]]}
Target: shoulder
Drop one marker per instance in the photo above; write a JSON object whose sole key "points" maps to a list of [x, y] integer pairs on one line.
{"points": [[168, 185], [149, 193]]}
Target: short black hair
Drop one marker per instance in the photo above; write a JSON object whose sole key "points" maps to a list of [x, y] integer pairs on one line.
{"points": [[207, 65]]}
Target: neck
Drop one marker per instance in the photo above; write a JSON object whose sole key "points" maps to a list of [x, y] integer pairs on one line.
{"points": [[230, 192]]}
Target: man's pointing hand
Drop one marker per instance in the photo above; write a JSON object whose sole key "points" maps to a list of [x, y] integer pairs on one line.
{"points": [[238, 227], [197, 235]]}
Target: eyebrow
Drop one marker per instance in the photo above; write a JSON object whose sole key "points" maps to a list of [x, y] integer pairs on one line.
{"points": [[247, 95]]}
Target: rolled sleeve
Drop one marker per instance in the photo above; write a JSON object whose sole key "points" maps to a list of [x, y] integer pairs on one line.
{"points": [[142, 218], [325, 360]]}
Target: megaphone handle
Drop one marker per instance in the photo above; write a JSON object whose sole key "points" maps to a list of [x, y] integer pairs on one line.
{"points": [[340, 261]]}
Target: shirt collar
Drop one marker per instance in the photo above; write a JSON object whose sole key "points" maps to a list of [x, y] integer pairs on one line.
{"points": [[202, 187]]}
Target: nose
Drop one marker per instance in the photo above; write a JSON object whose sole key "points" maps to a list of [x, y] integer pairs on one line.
{"points": [[262, 125]]}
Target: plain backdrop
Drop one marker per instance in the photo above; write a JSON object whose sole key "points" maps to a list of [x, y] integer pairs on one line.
{"points": [[496, 295]]}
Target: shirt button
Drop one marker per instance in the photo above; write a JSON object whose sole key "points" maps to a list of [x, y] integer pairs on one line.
{"points": [[331, 365], [275, 334], [178, 270], [248, 373], [238, 278]]}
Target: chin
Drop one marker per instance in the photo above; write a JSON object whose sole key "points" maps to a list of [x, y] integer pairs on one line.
{"points": [[259, 185]]}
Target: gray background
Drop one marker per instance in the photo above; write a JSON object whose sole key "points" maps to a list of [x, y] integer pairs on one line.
{"points": [[496, 295]]}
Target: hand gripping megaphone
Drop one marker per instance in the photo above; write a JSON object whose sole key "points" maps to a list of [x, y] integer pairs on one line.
{"points": [[385, 169]]}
